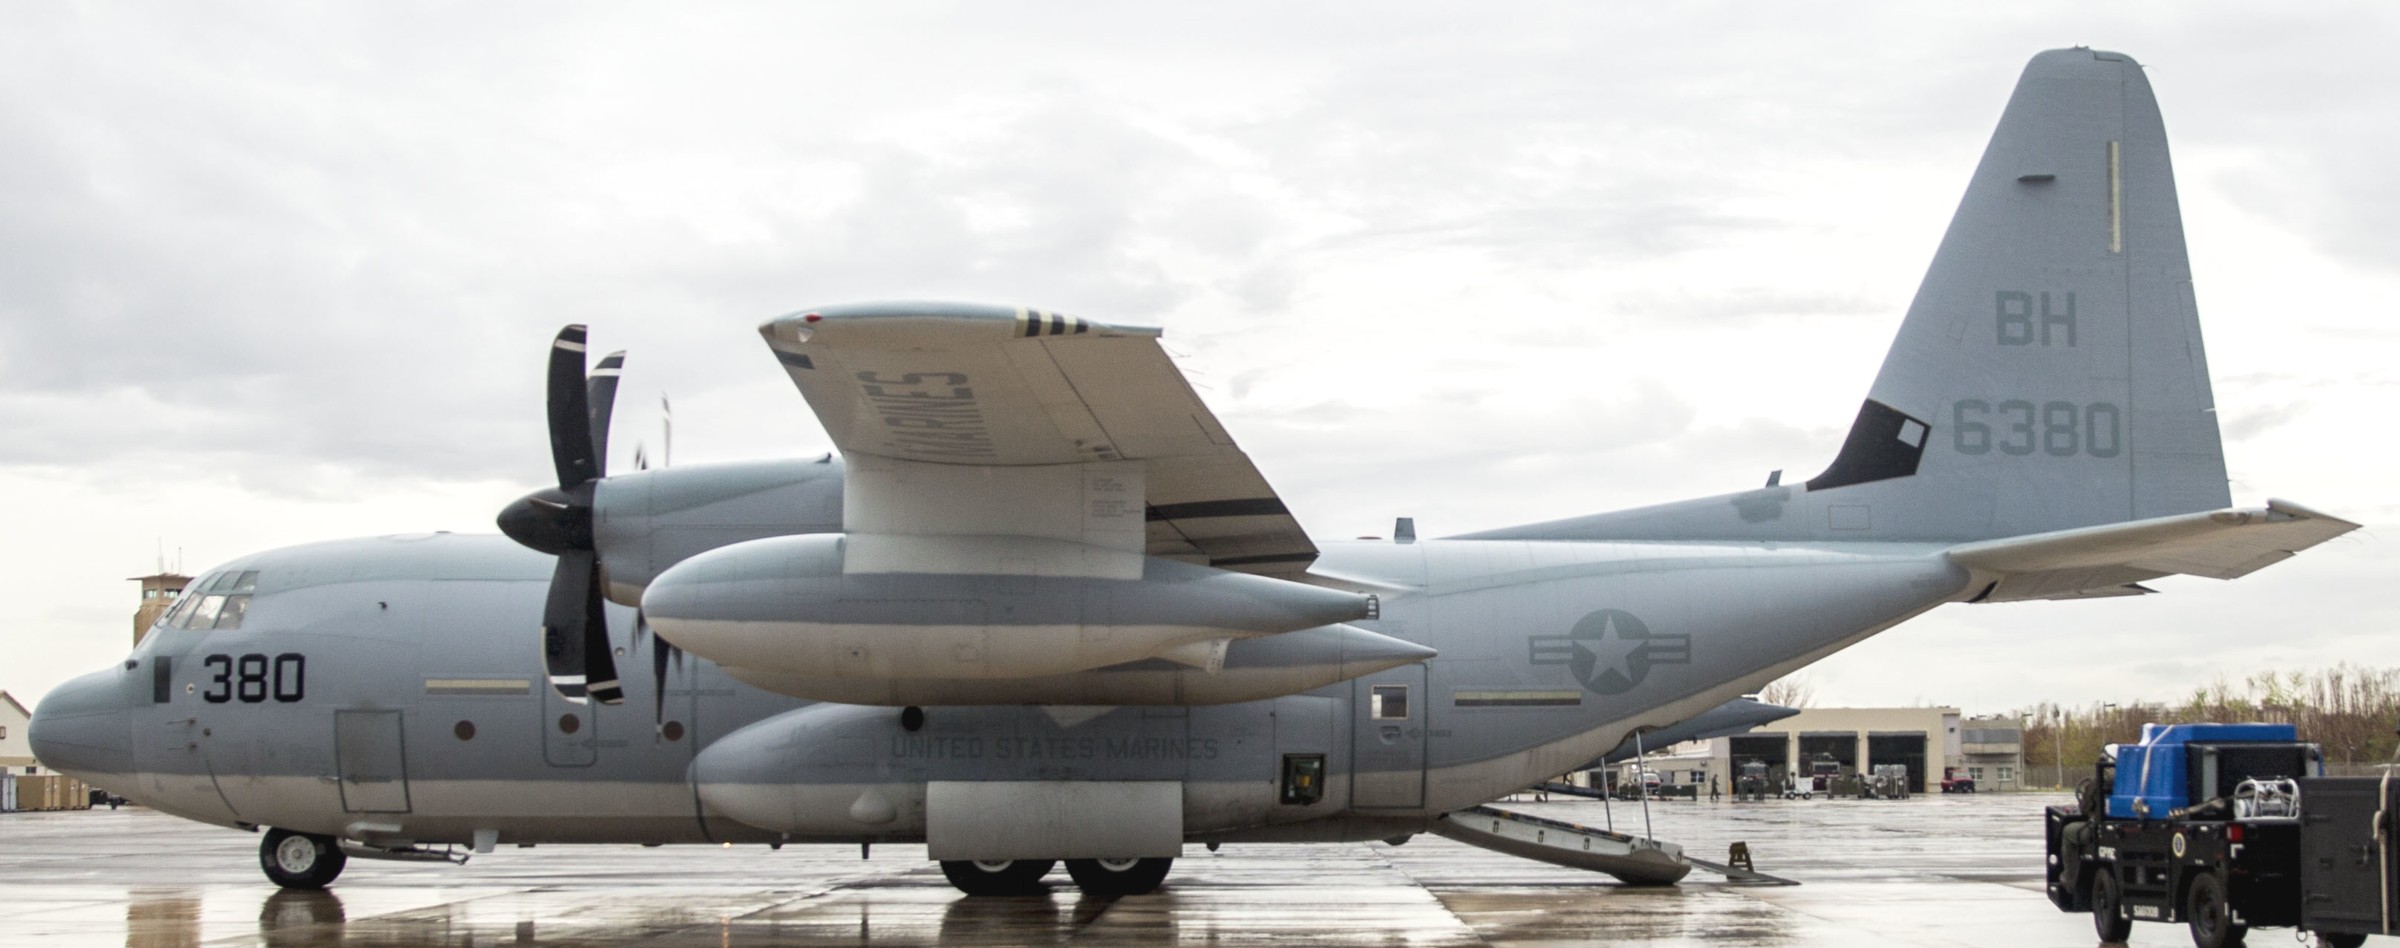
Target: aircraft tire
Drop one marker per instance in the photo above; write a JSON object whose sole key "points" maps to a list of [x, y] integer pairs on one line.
{"points": [[1110, 878], [1000, 877], [2108, 915], [2341, 940], [300, 860]]}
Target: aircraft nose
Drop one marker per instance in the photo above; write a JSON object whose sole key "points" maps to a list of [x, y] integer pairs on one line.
{"points": [[82, 728]]}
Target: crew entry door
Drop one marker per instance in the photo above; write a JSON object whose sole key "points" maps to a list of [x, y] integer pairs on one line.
{"points": [[374, 763], [1387, 739]]}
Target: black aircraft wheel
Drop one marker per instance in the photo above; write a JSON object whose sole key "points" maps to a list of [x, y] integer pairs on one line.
{"points": [[2211, 916], [300, 860], [997, 876], [1109, 878], [2341, 940], [2108, 909]]}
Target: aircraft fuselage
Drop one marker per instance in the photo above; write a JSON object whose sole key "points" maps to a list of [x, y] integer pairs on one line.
{"points": [[385, 690]]}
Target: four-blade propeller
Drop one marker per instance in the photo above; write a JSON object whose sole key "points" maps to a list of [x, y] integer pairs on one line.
{"points": [[558, 521]]}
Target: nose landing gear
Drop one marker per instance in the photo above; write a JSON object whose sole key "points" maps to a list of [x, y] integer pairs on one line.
{"points": [[300, 860]]}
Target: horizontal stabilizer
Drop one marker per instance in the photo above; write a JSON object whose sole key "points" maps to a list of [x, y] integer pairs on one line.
{"points": [[2108, 560]]}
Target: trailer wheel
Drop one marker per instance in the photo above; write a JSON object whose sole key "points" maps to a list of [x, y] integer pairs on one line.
{"points": [[2108, 909], [2211, 916]]}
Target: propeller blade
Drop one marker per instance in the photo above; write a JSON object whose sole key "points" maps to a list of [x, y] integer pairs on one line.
{"points": [[600, 664], [658, 666], [564, 616], [601, 393], [570, 410]]}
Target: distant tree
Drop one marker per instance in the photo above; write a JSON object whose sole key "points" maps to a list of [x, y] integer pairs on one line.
{"points": [[1791, 691], [2349, 710]]}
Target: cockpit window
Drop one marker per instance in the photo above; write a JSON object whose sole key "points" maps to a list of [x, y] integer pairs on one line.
{"points": [[182, 610], [205, 617], [218, 601], [230, 615]]}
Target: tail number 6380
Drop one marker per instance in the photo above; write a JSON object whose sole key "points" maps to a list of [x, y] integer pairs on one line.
{"points": [[2020, 427]]}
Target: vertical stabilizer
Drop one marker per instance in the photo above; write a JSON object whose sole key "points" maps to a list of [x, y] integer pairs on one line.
{"points": [[2049, 373]]}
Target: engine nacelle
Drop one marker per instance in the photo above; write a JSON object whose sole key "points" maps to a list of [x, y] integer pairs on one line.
{"points": [[647, 521], [830, 606]]}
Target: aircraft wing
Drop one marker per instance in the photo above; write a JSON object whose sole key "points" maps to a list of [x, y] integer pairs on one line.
{"points": [[966, 419], [2109, 560]]}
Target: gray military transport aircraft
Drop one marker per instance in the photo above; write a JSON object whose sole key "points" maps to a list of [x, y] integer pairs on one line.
{"points": [[1044, 609]]}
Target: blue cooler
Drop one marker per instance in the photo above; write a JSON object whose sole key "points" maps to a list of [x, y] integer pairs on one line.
{"points": [[2175, 763]]}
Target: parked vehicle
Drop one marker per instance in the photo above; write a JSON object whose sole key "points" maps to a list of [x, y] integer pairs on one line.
{"points": [[1955, 780], [2227, 827]]}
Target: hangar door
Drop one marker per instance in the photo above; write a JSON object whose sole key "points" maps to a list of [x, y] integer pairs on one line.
{"points": [[1774, 750], [1901, 747]]}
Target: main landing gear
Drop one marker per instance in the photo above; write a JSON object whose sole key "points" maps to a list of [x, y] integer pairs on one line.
{"points": [[1108, 878], [997, 876], [1099, 878], [300, 860]]}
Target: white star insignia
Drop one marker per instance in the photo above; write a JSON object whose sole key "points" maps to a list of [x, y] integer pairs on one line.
{"points": [[1609, 651]]}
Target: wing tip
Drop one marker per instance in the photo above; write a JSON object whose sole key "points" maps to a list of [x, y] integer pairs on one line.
{"points": [[2277, 505]]}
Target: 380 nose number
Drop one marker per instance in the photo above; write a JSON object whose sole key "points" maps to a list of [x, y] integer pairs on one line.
{"points": [[253, 678]]}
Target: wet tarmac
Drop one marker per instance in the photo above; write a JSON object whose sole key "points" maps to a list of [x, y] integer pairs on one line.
{"points": [[1928, 871]]}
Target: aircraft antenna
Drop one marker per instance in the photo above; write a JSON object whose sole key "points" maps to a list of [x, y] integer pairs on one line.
{"points": [[666, 452]]}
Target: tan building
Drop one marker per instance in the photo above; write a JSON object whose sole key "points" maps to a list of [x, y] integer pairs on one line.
{"points": [[24, 783], [16, 753], [1993, 752], [1925, 740]]}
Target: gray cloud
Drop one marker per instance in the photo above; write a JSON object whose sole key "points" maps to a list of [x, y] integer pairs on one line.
{"points": [[2253, 422], [316, 253]]}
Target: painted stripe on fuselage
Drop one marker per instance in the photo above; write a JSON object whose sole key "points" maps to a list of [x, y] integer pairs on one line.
{"points": [[478, 686], [1516, 699]]}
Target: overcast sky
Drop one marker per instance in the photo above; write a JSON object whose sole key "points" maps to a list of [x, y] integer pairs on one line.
{"points": [[271, 273]]}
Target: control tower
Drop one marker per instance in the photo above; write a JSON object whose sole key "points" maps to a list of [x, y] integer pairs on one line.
{"points": [[158, 593]]}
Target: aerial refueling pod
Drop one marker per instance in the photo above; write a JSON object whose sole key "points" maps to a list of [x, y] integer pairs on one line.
{"points": [[951, 608]]}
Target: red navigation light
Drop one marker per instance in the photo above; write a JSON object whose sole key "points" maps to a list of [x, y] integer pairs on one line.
{"points": [[812, 318]]}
